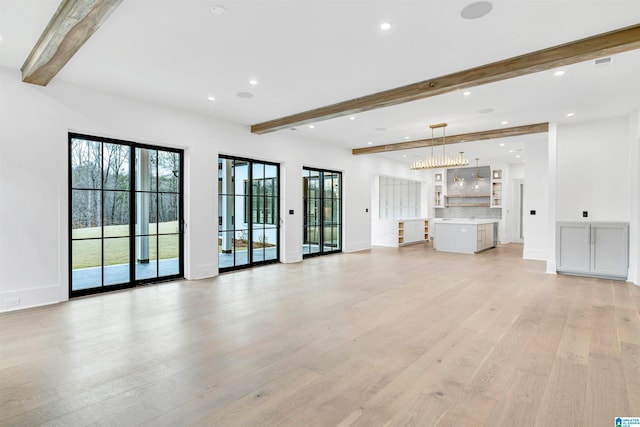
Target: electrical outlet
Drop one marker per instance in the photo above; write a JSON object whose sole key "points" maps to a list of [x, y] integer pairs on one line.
{"points": [[585, 214], [12, 302]]}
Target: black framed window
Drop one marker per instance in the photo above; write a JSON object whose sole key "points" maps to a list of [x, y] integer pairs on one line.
{"points": [[262, 209], [125, 214]]}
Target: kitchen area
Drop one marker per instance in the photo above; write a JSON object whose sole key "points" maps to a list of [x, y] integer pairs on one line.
{"points": [[457, 210], [467, 209]]}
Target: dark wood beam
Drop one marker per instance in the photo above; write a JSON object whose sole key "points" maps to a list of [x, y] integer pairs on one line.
{"points": [[70, 27], [454, 139], [610, 43]]}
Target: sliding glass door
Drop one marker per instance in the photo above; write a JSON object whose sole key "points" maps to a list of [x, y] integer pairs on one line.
{"points": [[322, 225], [248, 213], [125, 213]]}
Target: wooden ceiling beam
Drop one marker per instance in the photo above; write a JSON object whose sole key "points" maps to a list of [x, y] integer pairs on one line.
{"points": [[605, 44], [71, 26], [454, 139]]}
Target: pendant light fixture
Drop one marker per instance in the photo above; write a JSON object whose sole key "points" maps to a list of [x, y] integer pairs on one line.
{"points": [[440, 161]]}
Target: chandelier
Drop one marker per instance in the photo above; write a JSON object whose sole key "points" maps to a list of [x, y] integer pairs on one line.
{"points": [[443, 160]]}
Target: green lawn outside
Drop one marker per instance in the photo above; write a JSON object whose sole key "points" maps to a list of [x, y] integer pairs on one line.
{"points": [[87, 253]]}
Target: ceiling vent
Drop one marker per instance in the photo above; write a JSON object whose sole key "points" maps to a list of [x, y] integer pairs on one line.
{"points": [[603, 62]]}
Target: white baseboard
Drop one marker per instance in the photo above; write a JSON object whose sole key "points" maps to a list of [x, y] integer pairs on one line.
{"points": [[358, 246], [534, 255], [19, 299], [551, 267], [203, 271]]}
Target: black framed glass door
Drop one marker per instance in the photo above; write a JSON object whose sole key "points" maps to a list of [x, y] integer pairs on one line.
{"points": [[125, 214], [248, 213], [322, 223]]}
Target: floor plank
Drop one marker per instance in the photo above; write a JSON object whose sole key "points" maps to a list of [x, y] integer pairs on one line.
{"points": [[390, 336]]}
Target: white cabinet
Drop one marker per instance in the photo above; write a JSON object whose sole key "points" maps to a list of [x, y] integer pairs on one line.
{"points": [[599, 249], [394, 233], [464, 236], [413, 231], [486, 236]]}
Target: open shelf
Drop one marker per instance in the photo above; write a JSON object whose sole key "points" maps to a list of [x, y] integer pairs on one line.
{"points": [[496, 193], [438, 196]]}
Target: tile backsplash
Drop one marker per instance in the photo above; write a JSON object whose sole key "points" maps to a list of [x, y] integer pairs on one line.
{"points": [[476, 212]]}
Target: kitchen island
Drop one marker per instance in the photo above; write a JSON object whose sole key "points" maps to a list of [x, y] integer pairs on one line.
{"points": [[467, 236]]}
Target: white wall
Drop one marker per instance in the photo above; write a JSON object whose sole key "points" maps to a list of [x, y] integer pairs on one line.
{"points": [[634, 226], [597, 172], [516, 171], [593, 171], [34, 122], [536, 197], [552, 199]]}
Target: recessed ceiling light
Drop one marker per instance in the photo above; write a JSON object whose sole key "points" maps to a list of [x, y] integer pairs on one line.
{"points": [[211, 98], [476, 10], [369, 143], [504, 122], [311, 126], [245, 95], [486, 110], [406, 137], [352, 118], [253, 82], [466, 93], [502, 144], [559, 73], [511, 151], [517, 156], [218, 10], [571, 114], [404, 155], [385, 26]]}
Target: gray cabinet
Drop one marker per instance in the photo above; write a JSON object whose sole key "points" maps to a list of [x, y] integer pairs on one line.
{"points": [[599, 249]]}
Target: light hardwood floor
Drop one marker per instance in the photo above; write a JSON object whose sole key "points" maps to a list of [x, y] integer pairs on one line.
{"points": [[384, 337]]}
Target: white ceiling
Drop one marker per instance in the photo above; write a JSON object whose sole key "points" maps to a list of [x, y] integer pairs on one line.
{"points": [[310, 53]]}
